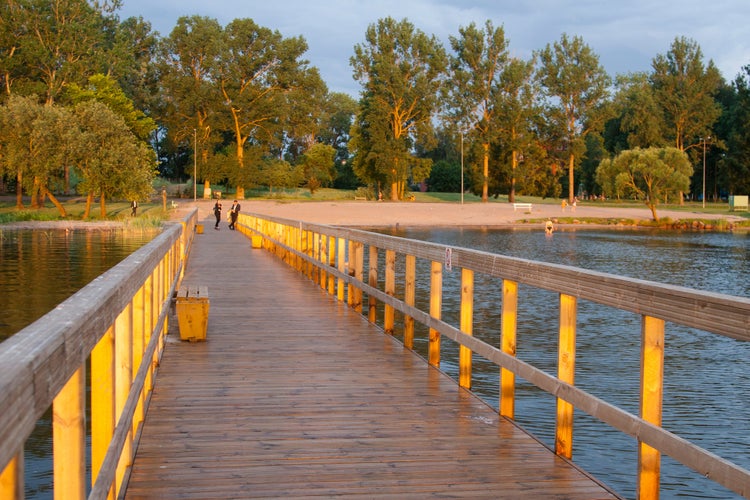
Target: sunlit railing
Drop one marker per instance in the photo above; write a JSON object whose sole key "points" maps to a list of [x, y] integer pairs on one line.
{"points": [[334, 258], [116, 325]]}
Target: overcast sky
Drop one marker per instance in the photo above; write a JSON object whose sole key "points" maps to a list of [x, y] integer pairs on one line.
{"points": [[626, 35]]}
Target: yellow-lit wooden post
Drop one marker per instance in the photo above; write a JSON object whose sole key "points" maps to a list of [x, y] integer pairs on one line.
{"points": [[102, 400], [466, 320], [390, 289], [332, 265], [566, 367], [508, 327], [652, 391], [359, 262], [372, 280], [350, 272], [316, 257], [436, 307], [139, 315], [11, 479], [341, 256], [123, 380], [410, 294], [69, 438], [324, 260]]}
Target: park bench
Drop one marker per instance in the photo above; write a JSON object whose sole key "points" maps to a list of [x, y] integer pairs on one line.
{"points": [[360, 198], [192, 304], [523, 206], [173, 204]]}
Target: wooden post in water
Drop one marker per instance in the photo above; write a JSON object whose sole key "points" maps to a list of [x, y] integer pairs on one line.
{"points": [[508, 345], [372, 280], [436, 307], [467, 319], [69, 438], [566, 368], [390, 289], [410, 294], [652, 391]]}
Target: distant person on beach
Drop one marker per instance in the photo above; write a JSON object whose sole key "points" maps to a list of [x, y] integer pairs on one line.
{"points": [[133, 208], [217, 214]]}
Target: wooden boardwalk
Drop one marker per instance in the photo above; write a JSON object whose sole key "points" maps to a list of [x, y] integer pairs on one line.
{"points": [[295, 395]]}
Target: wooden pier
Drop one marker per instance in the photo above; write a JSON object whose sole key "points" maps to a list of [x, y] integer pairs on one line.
{"points": [[295, 395]]}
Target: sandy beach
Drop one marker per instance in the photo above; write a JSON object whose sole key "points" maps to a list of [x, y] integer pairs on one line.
{"points": [[372, 213]]}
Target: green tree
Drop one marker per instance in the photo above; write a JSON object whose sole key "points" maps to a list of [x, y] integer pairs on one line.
{"points": [[639, 113], [736, 162], [401, 70], [318, 166], [480, 57], [571, 75], [112, 162], [648, 175]]}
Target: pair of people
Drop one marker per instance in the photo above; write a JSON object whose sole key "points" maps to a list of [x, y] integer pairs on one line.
{"points": [[233, 213]]}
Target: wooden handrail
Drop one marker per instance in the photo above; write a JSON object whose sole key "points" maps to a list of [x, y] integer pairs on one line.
{"points": [[656, 304], [123, 312]]}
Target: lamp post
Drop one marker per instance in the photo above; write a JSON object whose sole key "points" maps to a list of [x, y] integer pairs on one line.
{"points": [[195, 165], [462, 167], [703, 196]]}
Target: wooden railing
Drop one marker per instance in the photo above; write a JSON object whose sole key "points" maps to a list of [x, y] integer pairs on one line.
{"points": [[118, 322], [334, 258]]}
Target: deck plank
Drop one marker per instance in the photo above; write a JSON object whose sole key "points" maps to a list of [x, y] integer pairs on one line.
{"points": [[295, 395]]}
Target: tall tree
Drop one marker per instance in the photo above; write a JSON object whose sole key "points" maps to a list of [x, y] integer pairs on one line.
{"points": [[577, 84], [258, 71], [649, 175], [736, 162], [191, 98], [400, 69], [479, 59]]}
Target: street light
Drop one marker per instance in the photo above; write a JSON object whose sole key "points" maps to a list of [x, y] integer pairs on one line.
{"points": [[704, 139], [195, 165], [462, 167]]}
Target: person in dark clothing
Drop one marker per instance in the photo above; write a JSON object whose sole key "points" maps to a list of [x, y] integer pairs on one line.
{"points": [[233, 213], [217, 213], [134, 207]]}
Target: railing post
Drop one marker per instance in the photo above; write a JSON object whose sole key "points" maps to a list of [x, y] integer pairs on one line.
{"points": [[652, 390], [390, 289], [11, 479], [358, 263], [436, 306], [372, 303], [566, 364], [102, 400], [69, 438], [508, 345], [466, 320], [123, 380], [410, 294], [332, 264], [323, 261], [350, 272], [341, 257]]}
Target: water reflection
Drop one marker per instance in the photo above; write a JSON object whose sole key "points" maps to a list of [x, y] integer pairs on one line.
{"points": [[706, 375]]}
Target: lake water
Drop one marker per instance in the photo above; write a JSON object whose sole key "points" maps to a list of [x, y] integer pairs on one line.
{"points": [[38, 270], [706, 376]]}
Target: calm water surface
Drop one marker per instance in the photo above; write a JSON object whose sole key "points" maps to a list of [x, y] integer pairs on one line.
{"points": [[38, 270], [706, 376]]}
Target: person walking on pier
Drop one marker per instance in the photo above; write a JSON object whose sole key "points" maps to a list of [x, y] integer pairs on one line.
{"points": [[233, 213], [217, 214]]}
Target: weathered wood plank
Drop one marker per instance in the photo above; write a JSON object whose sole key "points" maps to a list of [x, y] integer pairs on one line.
{"points": [[294, 395]]}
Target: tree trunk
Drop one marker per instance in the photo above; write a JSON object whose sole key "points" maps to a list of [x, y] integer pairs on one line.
{"points": [[102, 207], [571, 181], [46, 192], [19, 190], [513, 165], [486, 173], [652, 207], [89, 202]]}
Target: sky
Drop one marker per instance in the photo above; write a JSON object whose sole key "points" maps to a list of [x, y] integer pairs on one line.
{"points": [[626, 35]]}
